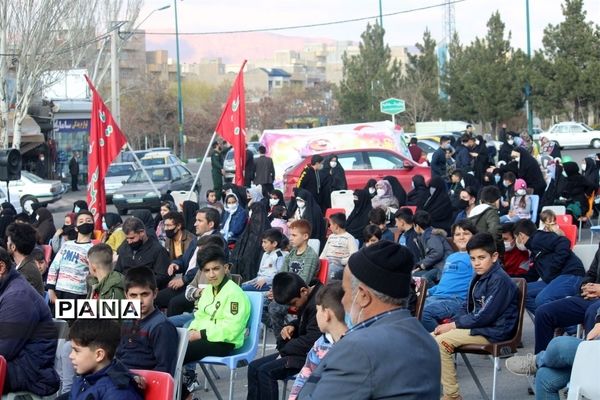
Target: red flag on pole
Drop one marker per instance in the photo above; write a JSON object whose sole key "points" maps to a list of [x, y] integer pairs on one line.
{"points": [[106, 141], [232, 125]]}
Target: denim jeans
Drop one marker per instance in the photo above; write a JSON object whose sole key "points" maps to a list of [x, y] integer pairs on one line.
{"points": [[182, 320], [562, 286], [249, 287], [554, 367], [563, 313], [439, 308], [263, 375]]}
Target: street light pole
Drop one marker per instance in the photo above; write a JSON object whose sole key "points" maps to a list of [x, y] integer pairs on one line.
{"points": [[179, 97], [527, 85], [380, 15]]}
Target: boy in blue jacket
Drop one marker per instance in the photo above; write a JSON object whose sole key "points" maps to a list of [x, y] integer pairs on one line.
{"points": [[489, 314], [99, 376]]}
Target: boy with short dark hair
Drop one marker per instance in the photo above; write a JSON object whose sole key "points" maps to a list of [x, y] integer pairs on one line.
{"points": [[434, 248], [489, 314], [408, 235], [151, 341], [515, 261], [378, 217], [339, 247], [330, 318], [100, 376], [371, 235], [294, 341], [105, 282], [270, 263]]}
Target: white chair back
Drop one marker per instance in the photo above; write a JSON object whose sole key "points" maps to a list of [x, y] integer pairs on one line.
{"points": [[584, 375], [343, 199], [535, 204], [314, 244], [558, 210], [182, 335], [586, 253]]}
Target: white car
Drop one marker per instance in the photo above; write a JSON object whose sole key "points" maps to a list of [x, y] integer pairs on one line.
{"points": [[573, 134], [15, 199], [33, 189], [116, 174]]}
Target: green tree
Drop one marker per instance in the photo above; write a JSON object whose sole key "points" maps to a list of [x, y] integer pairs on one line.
{"points": [[368, 78], [485, 79], [572, 51], [420, 86]]}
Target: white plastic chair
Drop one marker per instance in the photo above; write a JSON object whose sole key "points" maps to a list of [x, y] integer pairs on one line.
{"points": [[586, 253], [584, 375], [558, 210], [535, 204], [315, 244], [343, 199], [182, 335]]}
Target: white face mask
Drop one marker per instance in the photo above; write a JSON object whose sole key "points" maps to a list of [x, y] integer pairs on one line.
{"points": [[511, 142], [232, 208], [521, 192], [521, 246], [333, 164], [380, 192], [506, 183], [104, 226], [431, 191], [583, 167], [477, 143], [508, 246], [300, 203], [371, 190], [273, 202]]}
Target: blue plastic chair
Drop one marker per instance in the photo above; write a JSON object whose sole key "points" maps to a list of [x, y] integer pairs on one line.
{"points": [[535, 204], [245, 354]]}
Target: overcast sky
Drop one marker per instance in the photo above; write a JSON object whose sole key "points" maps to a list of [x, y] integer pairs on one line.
{"points": [[402, 29]]}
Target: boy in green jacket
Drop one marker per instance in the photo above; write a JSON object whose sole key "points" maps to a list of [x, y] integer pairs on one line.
{"points": [[105, 282], [223, 310]]}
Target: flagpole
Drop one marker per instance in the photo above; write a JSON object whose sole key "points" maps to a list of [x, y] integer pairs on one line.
{"points": [[212, 139], [143, 170]]}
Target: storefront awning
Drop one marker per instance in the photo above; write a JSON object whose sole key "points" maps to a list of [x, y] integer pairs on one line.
{"points": [[31, 134]]}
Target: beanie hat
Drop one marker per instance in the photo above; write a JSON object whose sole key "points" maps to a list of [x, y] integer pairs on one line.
{"points": [[385, 267], [520, 184]]}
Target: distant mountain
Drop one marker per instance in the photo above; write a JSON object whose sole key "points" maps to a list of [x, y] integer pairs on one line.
{"points": [[232, 48]]}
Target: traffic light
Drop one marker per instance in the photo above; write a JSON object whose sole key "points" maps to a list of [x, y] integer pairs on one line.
{"points": [[10, 165]]}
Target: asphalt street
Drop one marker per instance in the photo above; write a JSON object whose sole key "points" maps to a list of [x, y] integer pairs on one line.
{"points": [[508, 386]]}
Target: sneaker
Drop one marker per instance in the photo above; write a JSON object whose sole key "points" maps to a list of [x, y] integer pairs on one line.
{"points": [[522, 365]]}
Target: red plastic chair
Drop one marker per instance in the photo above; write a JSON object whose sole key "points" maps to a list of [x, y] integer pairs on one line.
{"points": [[570, 232], [330, 211], [565, 219], [159, 385], [2, 373], [323, 271], [412, 208]]}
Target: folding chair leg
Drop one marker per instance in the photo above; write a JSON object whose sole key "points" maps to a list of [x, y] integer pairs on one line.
{"points": [[231, 380], [214, 387], [475, 378], [264, 339], [496, 368], [214, 372], [284, 390]]}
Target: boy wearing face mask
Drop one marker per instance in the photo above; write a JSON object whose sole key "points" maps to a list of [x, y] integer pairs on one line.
{"points": [[68, 272], [516, 261]]}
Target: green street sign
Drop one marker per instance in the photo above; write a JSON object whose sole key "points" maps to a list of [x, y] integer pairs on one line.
{"points": [[392, 106]]}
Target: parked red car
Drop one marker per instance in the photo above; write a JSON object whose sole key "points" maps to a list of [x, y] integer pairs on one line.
{"points": [[364, 164]]}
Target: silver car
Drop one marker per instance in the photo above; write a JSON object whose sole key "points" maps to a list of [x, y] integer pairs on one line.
{"points": [[116, 174], [229, 161]]}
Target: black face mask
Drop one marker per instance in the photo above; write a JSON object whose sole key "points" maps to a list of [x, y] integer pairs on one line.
{"points": [[170, 233], [85, 229], [70, 232], [463, 204], [135, 246]]}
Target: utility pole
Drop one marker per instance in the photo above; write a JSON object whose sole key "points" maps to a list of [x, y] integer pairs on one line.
{"points": [[527, 85], [115, 92], [380, 15], [179, 97]]}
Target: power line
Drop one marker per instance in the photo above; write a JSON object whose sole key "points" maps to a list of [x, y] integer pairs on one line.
{"points": [[282, 28]]}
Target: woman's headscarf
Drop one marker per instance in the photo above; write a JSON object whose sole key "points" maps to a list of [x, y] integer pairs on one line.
{"points": [[370, 188], [359, 217], [337, 173], [79, 205], [7, 217], [113, 222], [146, 217], [312, 213], [188, 211], [397, 189], [44, 224], [591, 171], [419, 194], [386, 199], [438, 205], [239, 191]]}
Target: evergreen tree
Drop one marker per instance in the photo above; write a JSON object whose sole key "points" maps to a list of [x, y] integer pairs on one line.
{"points": [[368, 78], [420, 86]]}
